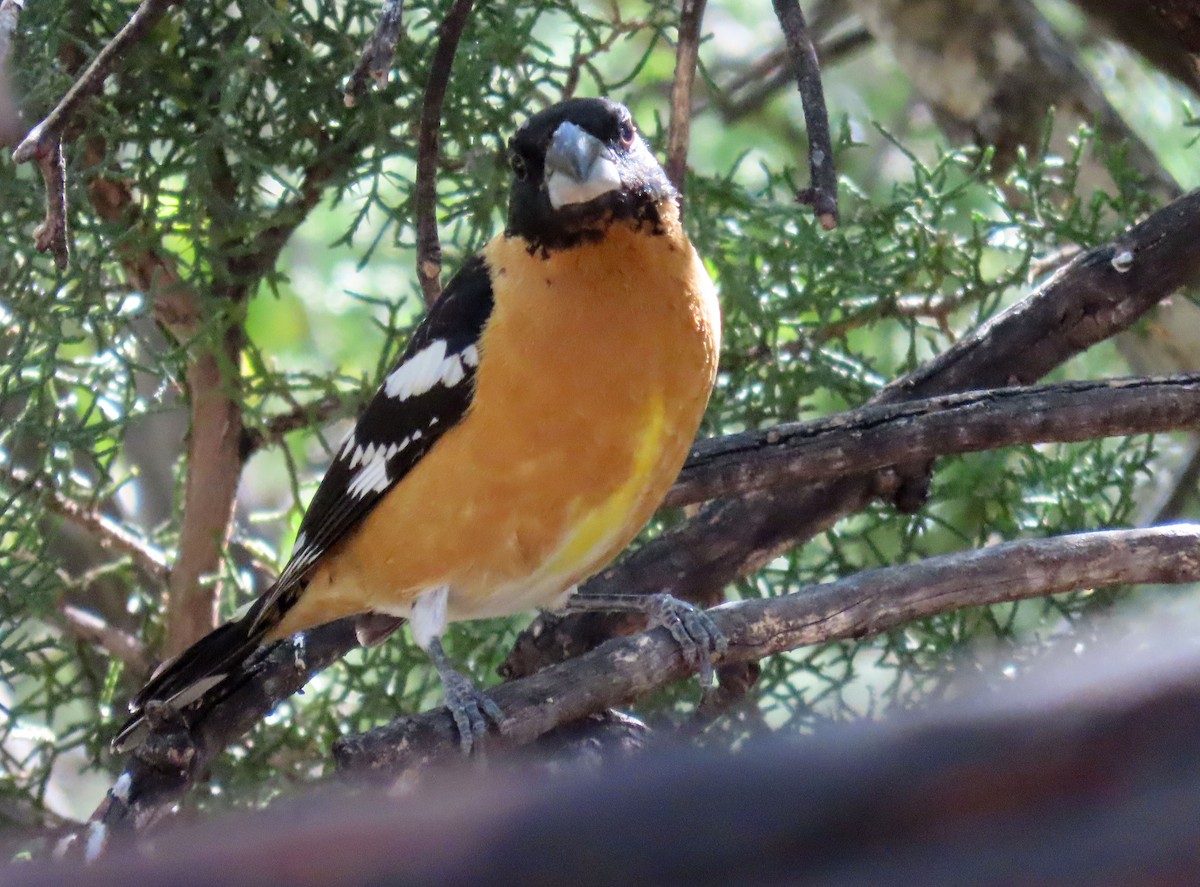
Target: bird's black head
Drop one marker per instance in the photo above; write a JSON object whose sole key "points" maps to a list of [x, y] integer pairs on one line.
{"points": [[577, 167]]}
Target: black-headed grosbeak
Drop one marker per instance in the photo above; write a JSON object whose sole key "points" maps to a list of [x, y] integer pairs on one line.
{"points": [[531, 427]]}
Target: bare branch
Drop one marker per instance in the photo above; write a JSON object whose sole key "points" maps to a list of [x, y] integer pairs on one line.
{"points": [[42, 138], [378, 54], [822, 195], [429, 248], [108, 533], [917, 431], [687, 54], [858, 606]]}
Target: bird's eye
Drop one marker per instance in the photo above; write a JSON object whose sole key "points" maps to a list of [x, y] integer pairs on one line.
{"points": [[626, 133], [517, 162]]}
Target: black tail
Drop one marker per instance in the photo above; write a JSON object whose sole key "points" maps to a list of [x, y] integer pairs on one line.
{"points": [[184, 680]]}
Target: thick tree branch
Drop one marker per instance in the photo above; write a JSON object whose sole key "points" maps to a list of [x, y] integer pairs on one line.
{"points": [[687, 54], [858, 606], [918, 431], [429, 248], [822, 194], [378, 54], [1099, 294], [210, 490], [108, 533]]}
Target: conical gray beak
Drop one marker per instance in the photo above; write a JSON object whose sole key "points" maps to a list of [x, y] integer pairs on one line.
{"points": [[579, 167]]}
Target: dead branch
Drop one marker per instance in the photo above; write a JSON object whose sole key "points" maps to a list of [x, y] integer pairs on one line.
{"points": [[687, 54], [919, 431], [1099, 294], [429, 248], [822, 194], [379, 53], [44, 136], [859, 606]]}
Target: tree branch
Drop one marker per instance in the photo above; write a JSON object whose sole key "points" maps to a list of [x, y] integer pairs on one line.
{"points": [[918, 431], [86, 626], [108, 533], [378, 54], [822, 194], [862, 605], [687, 54], [429, 249], [1099, 294], [42, 138], [210, 490]]}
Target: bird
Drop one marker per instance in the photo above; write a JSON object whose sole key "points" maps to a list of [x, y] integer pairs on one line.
{"points": [[528, 431]]}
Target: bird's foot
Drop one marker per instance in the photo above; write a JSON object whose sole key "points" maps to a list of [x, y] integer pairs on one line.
{"points": [[472, 709], [692, 628]]}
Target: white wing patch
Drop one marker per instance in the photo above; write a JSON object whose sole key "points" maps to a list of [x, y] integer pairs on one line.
{"points": [[372, 477], [428, 367]]}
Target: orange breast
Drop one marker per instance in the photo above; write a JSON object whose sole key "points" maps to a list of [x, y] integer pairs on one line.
{"points": [[595, 369]]}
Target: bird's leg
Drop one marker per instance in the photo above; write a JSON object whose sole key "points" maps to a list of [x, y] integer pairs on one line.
{"points": [[692, 628], [471, 708]]}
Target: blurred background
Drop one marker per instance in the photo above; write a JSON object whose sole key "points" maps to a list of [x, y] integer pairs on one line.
{"points": [[979, 145]]}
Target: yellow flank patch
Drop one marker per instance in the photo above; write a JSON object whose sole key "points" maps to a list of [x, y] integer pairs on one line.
{"points": [[603, 525]]}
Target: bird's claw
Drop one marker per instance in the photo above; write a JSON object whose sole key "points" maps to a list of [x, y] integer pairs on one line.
{"points": [[474, 712], [693, 629]]}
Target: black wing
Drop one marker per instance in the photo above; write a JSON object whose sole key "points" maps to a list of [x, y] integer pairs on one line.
{"points": [[426, 394]]}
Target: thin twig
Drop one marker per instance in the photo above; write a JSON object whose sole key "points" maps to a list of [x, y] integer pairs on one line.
{"points": [[687, 54], [859, 606], [305, 415], [822, 195], [42, 138], [429, 248], [109, 534], [917, 431], [86, 626], [378, 54], [11, 127], [51, 235]]}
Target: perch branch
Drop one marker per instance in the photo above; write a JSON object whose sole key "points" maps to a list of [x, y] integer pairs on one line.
{"points": [[863, 605]]}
